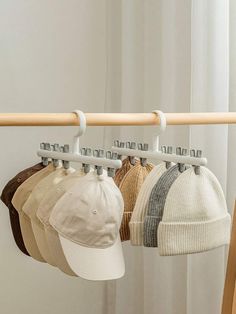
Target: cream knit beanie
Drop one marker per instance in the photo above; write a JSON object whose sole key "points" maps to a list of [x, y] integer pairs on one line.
{"points": [[156, 205], [130, 187], [195, 215], [141, 205]]}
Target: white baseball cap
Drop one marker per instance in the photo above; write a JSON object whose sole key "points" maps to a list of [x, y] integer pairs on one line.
{"points": [[43, 213], [88, 217]]}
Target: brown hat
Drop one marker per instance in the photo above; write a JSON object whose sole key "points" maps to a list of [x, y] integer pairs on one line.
{"points": [[130, 186], [20, 197], [121, 172], [6, 197]]}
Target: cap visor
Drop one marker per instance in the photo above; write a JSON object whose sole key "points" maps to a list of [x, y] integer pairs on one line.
{"points": [[92, 263], [42, 243], [29, 239], [57, 252]]}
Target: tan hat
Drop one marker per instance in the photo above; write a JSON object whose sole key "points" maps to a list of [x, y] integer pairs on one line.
{"points": [[121, 172], [87, 218], [130, 186], [43, 213], [31, 206], [18, 200]]}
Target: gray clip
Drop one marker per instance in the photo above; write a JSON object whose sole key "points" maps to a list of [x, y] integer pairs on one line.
{"points": [[100, 154], [143, 147], [131, 145], [198, 155], [88, 152], [55, 148], [44, 159], [66, 149], [47, 146], [167, 150], [114, 156], [180, 151], [120, 144]]}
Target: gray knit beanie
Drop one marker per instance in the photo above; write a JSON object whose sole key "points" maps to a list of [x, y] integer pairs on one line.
{"points": [[156, 205]]}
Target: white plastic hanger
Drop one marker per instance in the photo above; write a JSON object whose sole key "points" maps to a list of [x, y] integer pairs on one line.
{"points": [[76, 156], [158, 155]]}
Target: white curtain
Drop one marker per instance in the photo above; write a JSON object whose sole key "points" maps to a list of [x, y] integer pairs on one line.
{"points": [[117, 56]]}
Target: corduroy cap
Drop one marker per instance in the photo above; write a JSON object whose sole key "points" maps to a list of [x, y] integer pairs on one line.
{"points": [[130, 187], [6, 197], [195, 217], [141, 205], [31, 206], [87, 218], [156, 205], [18, 200], [121, 172], [44, 211]]}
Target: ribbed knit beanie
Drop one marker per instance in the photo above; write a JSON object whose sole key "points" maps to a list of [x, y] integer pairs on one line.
{"points": [[121, 172], [130, 187], [156, 205], [141, 205], [195, 217]]}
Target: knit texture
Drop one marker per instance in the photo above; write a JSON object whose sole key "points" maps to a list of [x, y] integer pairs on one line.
{"points": [[130, 187], [195, 217], [121, 172], [156, 205], [141, 205]]}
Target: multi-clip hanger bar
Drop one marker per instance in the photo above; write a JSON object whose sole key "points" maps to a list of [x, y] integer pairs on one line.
{"points": [[90, 160], [181, 159]]}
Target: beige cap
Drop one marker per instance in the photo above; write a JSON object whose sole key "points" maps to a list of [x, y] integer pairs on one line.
{"points": [[43, 213], [141, 206], [18, 200], [87, 218], [31, 206], [130, 187]]}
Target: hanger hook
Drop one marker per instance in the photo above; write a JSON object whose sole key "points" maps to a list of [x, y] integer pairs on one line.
{"points": [[161, 128], [81, 131]]}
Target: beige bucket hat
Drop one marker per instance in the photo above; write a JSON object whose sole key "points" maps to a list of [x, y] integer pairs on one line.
{"points": [[31, 206], [18, 200], [43, 213], [87, 218]]}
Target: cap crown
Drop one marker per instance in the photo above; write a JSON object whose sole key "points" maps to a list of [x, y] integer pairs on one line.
{"points": [[54, 194], [90, 212]]}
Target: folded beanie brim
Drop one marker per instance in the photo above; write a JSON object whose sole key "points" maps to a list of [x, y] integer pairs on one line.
{"points": [[136, 232], [124, 228], [175, 238]]}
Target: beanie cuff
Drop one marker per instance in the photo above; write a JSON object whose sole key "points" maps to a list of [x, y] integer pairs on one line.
{"points": [[124, 229], [193, 237], [150, 231], [136, 232]]}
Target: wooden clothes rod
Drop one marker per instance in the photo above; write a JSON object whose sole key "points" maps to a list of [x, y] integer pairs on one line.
{"points": [[115, 119]]}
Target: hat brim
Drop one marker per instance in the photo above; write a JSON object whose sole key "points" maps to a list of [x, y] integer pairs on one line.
{"points": [[42, 243], [56, 249], [28, 237], [93, 263]]}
